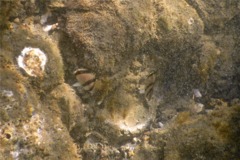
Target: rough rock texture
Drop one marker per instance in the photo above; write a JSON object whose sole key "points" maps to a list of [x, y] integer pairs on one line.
{"points": [[167, 80], [124, 42], [215, 14]]}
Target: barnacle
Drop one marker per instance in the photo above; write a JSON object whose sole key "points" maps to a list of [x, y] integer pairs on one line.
{"points": [[33, 61]]}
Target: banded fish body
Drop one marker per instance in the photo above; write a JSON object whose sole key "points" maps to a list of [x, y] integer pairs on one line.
{"points": [[149, 85], [85, 80]]}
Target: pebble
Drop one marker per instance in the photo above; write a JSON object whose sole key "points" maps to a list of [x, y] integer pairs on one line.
{"points": [[16, 20]]}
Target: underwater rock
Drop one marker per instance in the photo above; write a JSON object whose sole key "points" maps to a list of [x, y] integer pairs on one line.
{"points": [[44, 61], [215, 13], [29, 127], [99, 150], [125, 114], [190, 46], [70, 107], [108, 42], [109, 39]]}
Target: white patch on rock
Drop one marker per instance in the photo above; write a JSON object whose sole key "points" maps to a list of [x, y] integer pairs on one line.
{"points": [[33, 61], [197, 93], [160, 124], [190, 21], [7, 93], [198, 107], [15, 154], [48, 28], [132, 128]]}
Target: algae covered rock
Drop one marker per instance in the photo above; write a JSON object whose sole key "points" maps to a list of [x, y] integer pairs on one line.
{"points": [[113, 35], [163, 79], [215, 13], [205, 137], [29, 129], [117, 31]]}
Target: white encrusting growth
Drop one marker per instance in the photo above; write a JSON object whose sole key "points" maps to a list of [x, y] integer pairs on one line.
{"points": [[48, 28], [33, 61]]}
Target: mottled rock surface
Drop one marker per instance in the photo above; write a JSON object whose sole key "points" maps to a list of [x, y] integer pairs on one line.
{"points": [[167, 80]]}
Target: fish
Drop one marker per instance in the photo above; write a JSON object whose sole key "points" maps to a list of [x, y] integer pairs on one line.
{"points": [[85, 80], [149, 85]]}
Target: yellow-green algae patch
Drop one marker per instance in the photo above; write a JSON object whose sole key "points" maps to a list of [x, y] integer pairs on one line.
{"points": [[204, 136], [69, 106], [14, 105]]}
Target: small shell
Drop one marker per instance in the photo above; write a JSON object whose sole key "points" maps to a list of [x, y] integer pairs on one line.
{"points": [[197, 93], [198, 107], [190, 21], [160, 124], [149, 85], [33, 61]]}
